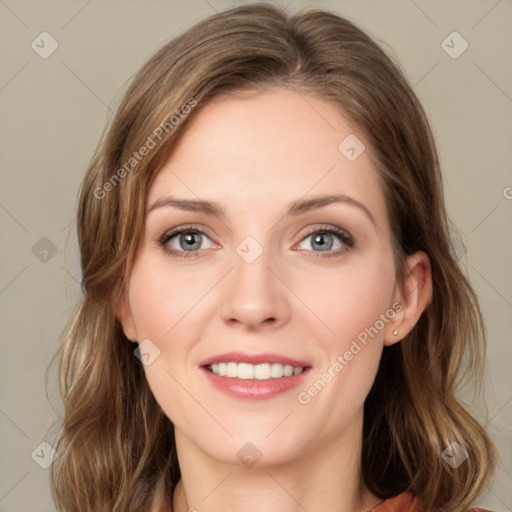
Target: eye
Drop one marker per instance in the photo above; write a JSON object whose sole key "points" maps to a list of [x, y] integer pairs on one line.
{"points": [[187, 241], [324, 240], [184, 242]]}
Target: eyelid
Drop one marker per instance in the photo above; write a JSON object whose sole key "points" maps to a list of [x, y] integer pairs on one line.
{"points": [[168, 235], [328, 228]]}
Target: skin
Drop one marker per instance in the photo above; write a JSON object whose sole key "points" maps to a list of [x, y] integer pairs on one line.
{"points": [[254, 154]]}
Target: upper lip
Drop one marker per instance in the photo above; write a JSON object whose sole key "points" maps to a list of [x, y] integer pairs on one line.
{"points": [[242, 357]]}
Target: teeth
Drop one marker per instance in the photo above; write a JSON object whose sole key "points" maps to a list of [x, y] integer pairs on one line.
{"points": [[263, 371]]}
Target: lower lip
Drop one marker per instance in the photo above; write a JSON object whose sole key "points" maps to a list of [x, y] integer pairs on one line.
{"points": [[252, 388]]}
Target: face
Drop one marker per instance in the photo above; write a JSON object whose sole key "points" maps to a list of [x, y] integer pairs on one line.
{"points": [[264, 275]]}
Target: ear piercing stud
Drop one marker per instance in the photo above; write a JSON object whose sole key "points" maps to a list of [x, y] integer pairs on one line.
{"points": [[395, 333]]}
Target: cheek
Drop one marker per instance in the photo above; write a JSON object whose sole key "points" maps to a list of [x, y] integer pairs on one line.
{"points": [[351, 300], [161, 297], [355, 304], [352, 304]]}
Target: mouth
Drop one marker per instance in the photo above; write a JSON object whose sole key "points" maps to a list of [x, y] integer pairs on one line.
{"points": [[254, 376], [263, 366], [247, 371]]}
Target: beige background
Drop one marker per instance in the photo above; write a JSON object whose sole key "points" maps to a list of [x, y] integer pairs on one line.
{"points": [[53, 112]]}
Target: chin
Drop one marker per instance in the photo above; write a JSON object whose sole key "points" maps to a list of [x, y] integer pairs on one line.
{"points": [[254, 450]]}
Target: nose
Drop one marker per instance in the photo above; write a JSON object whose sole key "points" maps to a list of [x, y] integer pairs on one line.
{"points": [[254, 297]]}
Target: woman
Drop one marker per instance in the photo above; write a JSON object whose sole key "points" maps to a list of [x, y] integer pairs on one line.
{"points": [[265, 220]]}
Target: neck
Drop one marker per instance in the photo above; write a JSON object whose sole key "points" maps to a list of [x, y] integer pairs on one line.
{"points": [[325, 478]]}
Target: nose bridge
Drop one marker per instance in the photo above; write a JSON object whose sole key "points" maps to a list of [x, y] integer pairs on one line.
{"points": [[251, 264]]}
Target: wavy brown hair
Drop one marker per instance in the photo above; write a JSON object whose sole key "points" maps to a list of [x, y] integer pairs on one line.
{"points": [[115, 443]]}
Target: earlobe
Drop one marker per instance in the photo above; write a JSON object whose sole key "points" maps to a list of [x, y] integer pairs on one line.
{"points": [[414, 295], [125, 317]]}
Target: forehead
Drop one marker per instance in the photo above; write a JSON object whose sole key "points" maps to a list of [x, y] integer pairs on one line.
{"points": [[269, 149]]}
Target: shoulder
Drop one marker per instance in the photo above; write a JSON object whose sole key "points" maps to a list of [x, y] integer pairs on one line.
{"points": [[404, 502], [408, 502]]}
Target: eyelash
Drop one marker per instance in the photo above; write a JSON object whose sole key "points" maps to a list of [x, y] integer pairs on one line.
{"points": [[344, 237]]}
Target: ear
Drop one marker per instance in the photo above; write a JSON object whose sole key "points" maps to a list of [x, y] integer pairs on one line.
{"points": [[125, 317], [411, 298]]}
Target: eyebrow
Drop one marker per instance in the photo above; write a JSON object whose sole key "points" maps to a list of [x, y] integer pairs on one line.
{"points": [[296, 207]]}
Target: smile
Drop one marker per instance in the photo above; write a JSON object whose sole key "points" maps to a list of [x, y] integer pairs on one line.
{"points": [[262, 371]]}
